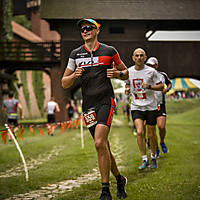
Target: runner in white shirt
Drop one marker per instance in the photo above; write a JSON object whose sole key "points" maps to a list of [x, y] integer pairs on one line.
{"points": [[51, 108], [142, 83]]}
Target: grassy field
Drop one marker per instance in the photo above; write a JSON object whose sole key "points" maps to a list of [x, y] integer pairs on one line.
{"points": [[58, 162]]}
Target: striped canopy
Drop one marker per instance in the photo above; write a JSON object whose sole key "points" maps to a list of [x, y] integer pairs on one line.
{"points": [[185, 83]]}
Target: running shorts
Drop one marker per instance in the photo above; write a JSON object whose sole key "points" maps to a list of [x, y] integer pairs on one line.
{"points": [[104, 114], [161, 110], [51, 118], [149, 116], [12, 121]]}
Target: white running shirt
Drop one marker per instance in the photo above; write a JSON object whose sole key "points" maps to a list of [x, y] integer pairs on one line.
{"points": [[159, 94], [51, 107], [143, 99]]}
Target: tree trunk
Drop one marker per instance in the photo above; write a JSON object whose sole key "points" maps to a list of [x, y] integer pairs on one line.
{"points": [[6, 34], [6, 13]]}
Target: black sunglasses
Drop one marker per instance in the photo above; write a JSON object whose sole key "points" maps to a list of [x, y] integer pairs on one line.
{"points": [[87, 28]]}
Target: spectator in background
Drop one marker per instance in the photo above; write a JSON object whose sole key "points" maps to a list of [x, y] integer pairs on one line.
{"points": [[126, 110], [79, 107], [70, 107]]}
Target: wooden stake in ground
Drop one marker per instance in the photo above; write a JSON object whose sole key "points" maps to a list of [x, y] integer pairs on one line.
{"points": [[20, 152]]}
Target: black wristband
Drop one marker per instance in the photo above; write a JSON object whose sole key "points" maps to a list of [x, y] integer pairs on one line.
{"points": [[149, 86], [121, 74]]}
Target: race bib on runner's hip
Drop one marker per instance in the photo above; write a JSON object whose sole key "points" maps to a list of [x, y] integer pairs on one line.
{"points": [[90, 118]]}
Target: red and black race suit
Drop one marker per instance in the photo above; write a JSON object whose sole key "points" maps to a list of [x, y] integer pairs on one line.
{"points": [[96, 87]]}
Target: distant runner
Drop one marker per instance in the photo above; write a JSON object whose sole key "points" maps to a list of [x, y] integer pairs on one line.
{"points": [[51, 108], [143, 81], [11, 106], [160, 97]]}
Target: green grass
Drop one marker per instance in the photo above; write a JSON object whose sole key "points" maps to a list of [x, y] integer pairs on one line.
{"points": [[177, 176]]}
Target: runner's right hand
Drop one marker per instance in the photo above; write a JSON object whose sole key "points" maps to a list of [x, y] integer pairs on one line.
{"points": [[79, 71]]}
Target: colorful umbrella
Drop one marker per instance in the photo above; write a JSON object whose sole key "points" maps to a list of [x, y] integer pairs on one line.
{"points": [[179, 84], [185, 83]]}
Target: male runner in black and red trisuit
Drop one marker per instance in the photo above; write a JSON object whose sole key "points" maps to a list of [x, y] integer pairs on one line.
{"points": [[93, 64]]}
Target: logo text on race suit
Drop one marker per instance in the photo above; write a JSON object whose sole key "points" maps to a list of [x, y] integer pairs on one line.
{"points": [[90, 118], [88, 62]]}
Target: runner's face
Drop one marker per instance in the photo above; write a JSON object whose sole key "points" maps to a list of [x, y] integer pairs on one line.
{"points": [[88, 34], [139, 57]]}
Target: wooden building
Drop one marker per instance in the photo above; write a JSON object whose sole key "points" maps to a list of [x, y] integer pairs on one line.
{"points": [[124, 24]]}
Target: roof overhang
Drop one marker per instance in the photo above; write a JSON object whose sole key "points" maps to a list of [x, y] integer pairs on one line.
{"points": [[124, 9]]}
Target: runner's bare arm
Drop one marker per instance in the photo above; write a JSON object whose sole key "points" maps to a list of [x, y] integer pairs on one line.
{"points": [[124, 70], [118, 71], [20, 111], [57, 108], [70, 76], [157, 87], [165, 90]]}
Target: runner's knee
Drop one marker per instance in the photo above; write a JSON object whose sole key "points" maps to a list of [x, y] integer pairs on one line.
{"points": [[100, 144], [161, 127], [140, 132]]}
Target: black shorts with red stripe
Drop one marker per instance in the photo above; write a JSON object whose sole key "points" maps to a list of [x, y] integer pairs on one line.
{"points": [[162, 110], [104, 111]]}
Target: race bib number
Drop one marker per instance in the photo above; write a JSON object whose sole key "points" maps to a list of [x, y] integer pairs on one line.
{"points": [[140, 95], [90, 118]]}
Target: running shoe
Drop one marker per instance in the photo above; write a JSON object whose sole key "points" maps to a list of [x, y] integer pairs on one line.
{"points": [[144, 165], [157, 153], [153, 164], [164, 147], [121, 188], [105, 195]]}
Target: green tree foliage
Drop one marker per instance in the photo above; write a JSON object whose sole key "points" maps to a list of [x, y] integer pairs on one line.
{"points": [[6, 13], [37, 77], [22, 20]]}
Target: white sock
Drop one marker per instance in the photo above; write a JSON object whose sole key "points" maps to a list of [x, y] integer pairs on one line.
{"points": [[153, 156], [144, 158]]}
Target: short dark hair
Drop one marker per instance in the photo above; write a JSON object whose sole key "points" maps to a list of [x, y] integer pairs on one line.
{"points": [[11, 94]]}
